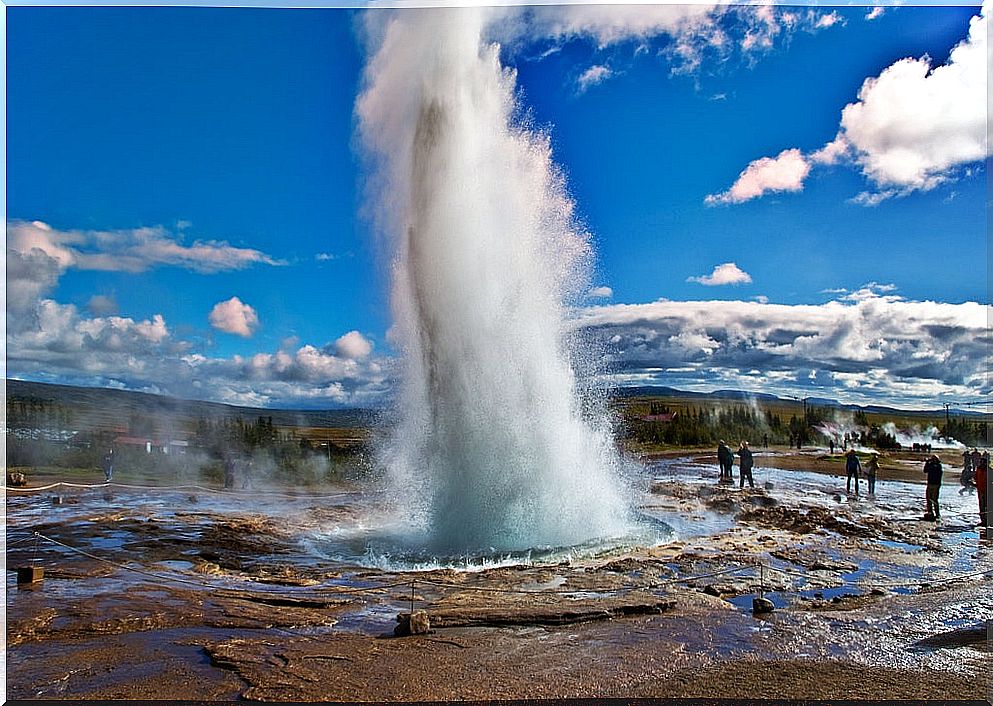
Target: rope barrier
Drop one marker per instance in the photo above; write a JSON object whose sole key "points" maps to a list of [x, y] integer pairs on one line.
{"points": [[203, 584]]}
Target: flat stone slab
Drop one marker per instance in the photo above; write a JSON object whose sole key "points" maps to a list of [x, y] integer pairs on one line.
{"points": [[562, 612]]}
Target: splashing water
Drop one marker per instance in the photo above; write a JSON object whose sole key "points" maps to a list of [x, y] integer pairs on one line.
{"points": [[494, 448]]}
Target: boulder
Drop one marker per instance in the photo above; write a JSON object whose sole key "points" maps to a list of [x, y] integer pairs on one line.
{"points": [[762, 605], [416, 623]]}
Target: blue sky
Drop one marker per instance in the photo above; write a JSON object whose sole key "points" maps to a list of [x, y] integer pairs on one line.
{"points": [[164, 161]]}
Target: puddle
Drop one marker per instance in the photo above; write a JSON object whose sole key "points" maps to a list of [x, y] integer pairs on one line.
{"points": [[902, 546]]}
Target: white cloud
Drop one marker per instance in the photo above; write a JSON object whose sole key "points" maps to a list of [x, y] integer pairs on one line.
{"points": [[325, 257], [875, 12], [728, 273], [910, 129], [696, 32], [785, 172], [129, 250], [592, 76], [600, 293], [896, 351], [102, 305], [828, 20], [914, 122], [233, 316], [604, 23], [353, 346], [869, 291]]}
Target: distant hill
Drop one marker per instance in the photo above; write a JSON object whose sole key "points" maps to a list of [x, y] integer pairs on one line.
{"points": [[741, 395], [106, 408], [101, 407]]}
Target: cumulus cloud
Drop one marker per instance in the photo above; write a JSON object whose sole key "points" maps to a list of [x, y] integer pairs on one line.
{"points": [[910, 129], [353, 346], [61, 344], [875, 13], [600, 293], [234, 316], [592, 76], [870, 348], [785, 172], [102, 305], [129, 250], [914, 123], [728, 273]]}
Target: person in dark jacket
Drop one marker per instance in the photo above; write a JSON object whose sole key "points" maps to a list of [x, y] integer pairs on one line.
{"points": [[725, 459], [745, 464], [853, 467], [932, 467]]}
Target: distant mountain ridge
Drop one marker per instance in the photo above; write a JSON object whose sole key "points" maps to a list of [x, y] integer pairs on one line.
{"points": [[116, 406], [742, 396]]}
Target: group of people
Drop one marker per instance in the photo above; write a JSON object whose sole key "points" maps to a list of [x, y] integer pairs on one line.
{"points": [[854, 470], [725, 459]]}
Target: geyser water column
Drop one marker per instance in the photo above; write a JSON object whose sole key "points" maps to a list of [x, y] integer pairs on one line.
{"points": [[494, 449]]}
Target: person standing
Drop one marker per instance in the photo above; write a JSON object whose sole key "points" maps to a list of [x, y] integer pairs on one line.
{"points": [[745, 464], [725, 460], [108, 465], [968, 477], [853, 467], [982, 470], [932, 468], [871, 466]]}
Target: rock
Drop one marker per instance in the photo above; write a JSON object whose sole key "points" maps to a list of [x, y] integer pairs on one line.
{"points": [[762, 605], [712, 590], [416, 623], [30, 574]]}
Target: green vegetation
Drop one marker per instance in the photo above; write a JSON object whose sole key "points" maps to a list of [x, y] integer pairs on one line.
{"points": [[71, 429]]}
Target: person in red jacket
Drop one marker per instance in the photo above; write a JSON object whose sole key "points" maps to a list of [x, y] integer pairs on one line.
{"points": [[982, 469]]}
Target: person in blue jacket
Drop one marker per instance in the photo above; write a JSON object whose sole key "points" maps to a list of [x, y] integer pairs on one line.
{"points": [[854, 468]]}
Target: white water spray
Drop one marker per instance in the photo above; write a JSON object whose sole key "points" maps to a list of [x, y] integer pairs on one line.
{"points": [[493, 449]]}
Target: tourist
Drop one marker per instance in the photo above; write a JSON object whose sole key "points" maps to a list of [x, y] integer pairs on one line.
{"points": [[968, 477], [229, 471], [870, 472], [853, 467], [745, 464], [108, 465], [725, 459], [982, 478], [831, 444], [967, 461], [932, 467]]}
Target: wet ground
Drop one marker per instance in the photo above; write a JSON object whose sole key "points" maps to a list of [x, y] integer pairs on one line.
{"points": [[197, 593]]}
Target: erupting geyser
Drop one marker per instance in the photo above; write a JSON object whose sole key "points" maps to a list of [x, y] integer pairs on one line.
{"points": [[494, 448]]}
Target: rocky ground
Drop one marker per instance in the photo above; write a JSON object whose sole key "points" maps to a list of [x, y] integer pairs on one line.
{"points": [[199, 595]]}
